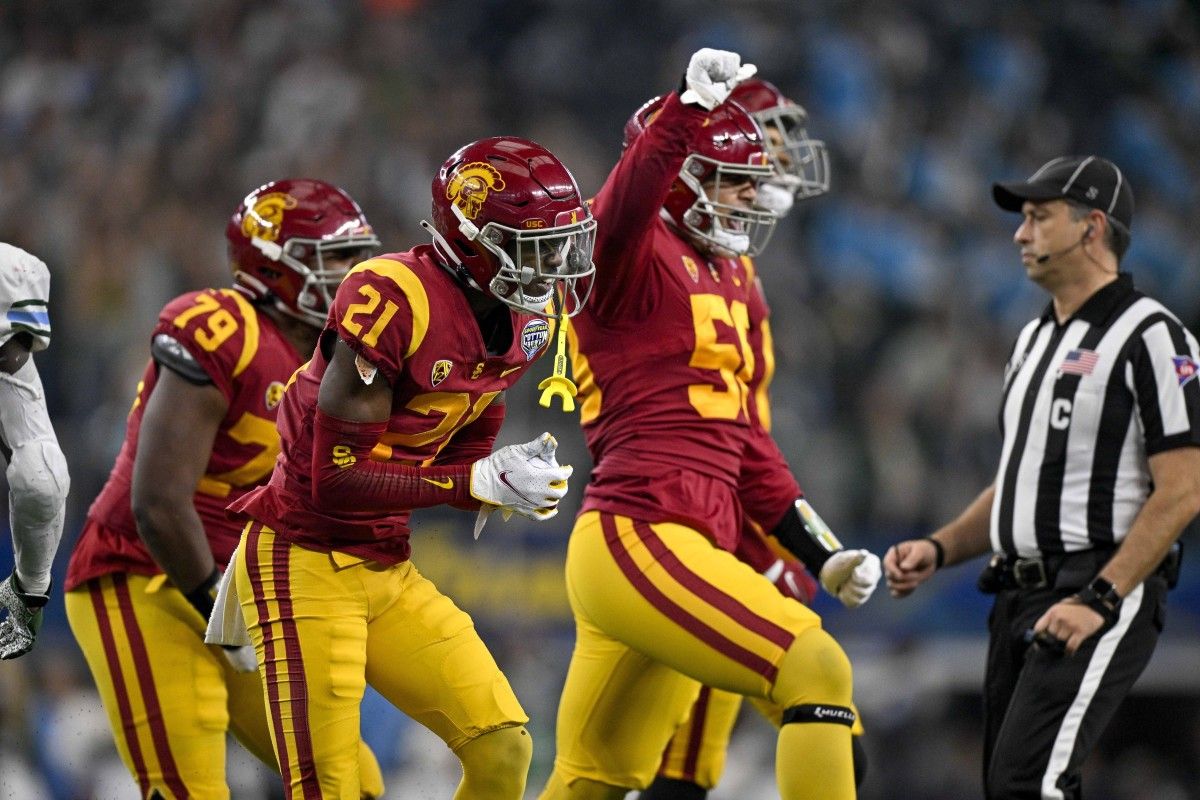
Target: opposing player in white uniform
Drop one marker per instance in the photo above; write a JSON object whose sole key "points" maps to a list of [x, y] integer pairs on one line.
{"points": [[37, 471]]}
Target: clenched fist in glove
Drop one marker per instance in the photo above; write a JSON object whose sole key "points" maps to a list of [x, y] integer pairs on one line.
{"points": [[525, 478], [711, 76], [19, 629], [851, 576]]}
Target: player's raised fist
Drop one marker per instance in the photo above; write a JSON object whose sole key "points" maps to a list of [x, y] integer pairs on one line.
{"points": [[525, 478], [711, 75], [851, 576]]}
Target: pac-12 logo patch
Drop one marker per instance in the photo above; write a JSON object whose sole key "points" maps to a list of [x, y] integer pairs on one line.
{"points": [[274, 395], [1185, 368], [441, 371], [534, 337]]}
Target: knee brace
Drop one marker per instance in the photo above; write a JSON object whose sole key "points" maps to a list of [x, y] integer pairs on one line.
{"points": [[814, 682]]}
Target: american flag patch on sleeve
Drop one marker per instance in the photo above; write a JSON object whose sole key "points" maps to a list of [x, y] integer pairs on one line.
{"points": [[1079, 362]]}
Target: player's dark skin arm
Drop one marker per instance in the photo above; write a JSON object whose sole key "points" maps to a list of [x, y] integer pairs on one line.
{"points": [[345, 395], [171, 459], [15, 352]]}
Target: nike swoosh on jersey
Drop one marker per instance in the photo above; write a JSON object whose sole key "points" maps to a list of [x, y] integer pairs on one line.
{"points": [[507, 371], [448, 483], [504, 480]]}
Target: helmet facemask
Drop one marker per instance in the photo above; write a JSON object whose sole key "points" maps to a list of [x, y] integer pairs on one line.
{"points": [[534, 262], [307, 258], [732, 230], [801, 164]]}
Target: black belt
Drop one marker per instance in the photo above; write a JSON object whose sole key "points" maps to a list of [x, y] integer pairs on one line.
{"points": [[1038, 572]]}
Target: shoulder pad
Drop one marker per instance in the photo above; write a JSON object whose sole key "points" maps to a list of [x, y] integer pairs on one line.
{"points": [[167, 351]]}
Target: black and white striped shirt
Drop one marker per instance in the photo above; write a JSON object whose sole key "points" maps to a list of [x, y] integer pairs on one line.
{"points": [[1085, 404]]}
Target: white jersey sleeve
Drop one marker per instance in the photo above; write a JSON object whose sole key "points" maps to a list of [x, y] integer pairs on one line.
{"points": [[24, 296]]}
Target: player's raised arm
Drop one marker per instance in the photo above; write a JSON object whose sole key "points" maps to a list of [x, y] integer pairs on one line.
{"points": [[658, 138]]}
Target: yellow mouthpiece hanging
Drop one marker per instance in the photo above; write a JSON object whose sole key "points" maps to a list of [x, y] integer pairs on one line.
{"points": [[558, 384]]}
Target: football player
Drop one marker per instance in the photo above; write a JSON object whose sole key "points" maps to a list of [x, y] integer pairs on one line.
{"points": [[694, 760], [662, 604], [37, 472], [201, 432], [398, 410]]}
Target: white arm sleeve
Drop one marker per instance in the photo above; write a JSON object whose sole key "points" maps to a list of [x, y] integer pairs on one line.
{"points": [[37, 476]]}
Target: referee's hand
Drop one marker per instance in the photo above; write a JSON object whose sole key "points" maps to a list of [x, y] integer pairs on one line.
{"points": [[909, 564], [1070, 622]]}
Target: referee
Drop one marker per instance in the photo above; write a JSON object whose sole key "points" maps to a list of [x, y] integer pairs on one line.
{"points": [[1099, 473]]}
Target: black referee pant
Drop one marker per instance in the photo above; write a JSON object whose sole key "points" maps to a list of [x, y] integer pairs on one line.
{"points": [[1043, 712]]}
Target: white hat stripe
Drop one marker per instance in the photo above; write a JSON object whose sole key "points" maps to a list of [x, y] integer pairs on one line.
{"points": [[1075, 174], [1117, 190], [1045, 167]]}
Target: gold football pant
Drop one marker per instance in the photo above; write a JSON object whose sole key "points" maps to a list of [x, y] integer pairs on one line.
{"points": [[659, 611], [326, 624], [697, 751], [169, 697]]}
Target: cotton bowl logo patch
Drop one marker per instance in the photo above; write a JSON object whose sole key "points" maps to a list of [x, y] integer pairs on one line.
{"points": [[441, 371], [274, 395], [534, 337], [1185, 368]]}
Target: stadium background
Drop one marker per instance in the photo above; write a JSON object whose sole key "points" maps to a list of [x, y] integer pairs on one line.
{"points": [[129, 130]]}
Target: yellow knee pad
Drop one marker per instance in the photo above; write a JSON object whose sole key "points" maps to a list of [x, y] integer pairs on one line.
{"points": [[814, 672], [503, 750]]}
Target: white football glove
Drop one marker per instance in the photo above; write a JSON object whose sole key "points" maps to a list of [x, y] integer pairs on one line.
{"points": [[851, 576], [712, 75], [522, 478]]}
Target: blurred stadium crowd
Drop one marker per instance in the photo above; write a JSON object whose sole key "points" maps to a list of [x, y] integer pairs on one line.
{"points": [[130, 129]]}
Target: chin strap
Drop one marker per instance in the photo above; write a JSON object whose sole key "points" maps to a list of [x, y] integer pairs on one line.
{"points": [[558, 384]]}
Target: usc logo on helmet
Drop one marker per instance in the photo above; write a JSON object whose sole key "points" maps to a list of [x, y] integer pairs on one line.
{"points": [[264, 219], [469, 187]]}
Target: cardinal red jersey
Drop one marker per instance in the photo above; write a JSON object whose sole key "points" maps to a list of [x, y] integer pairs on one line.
{"points": [[661, 353], [767, 486], [407, 317], [244, 355]]}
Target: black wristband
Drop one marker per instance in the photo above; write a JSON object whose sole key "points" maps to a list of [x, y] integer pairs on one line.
{"points": [[1101, 597], [941, 552], [202, 597]]}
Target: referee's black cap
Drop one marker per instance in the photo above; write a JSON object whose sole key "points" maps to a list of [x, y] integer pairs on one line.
{"points": [[1093, 181]]}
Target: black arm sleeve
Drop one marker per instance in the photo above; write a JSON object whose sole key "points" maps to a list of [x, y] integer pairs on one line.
{"points": [[806, 535]]}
